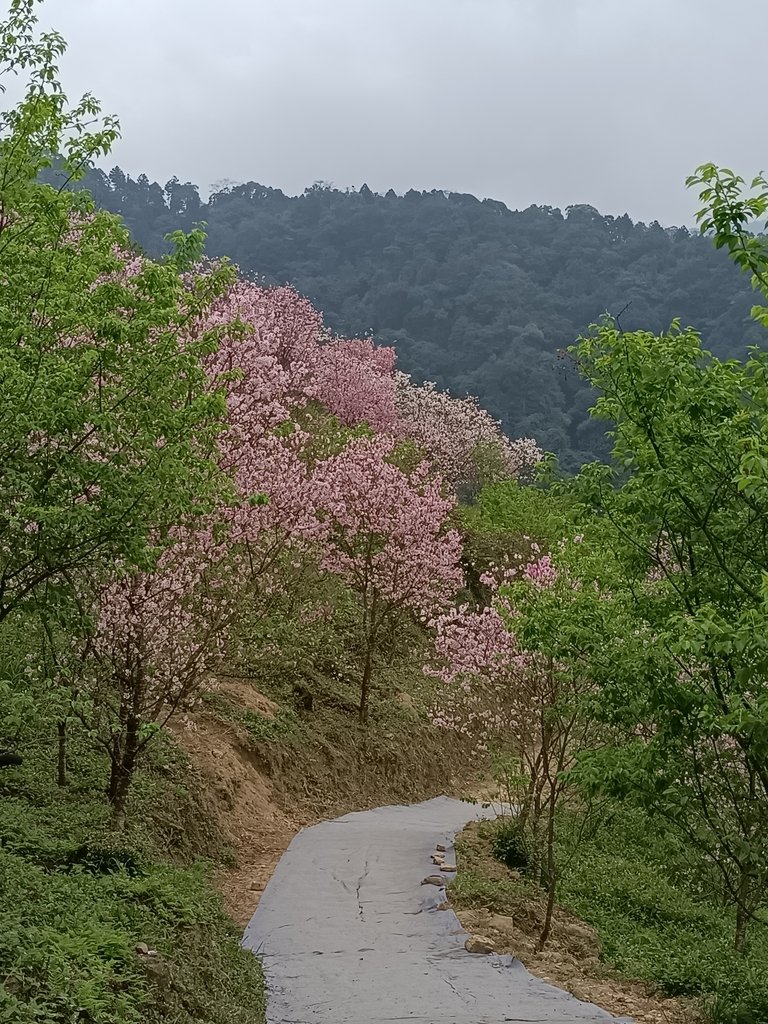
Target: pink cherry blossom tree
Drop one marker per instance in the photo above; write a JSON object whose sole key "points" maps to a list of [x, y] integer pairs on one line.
{"points": [[266, 360], [462, 440], [355, 380], [494, 689], [503, 686], [387, 537], [157, 637], [483, 672]]}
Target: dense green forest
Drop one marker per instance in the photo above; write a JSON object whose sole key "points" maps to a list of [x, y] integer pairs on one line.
{"points": [[476, 297]]}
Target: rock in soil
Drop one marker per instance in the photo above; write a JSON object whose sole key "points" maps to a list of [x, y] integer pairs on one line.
{"points": [[478, 944]]}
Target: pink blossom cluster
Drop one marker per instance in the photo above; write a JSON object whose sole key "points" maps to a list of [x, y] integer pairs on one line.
{"points": [[158, 633], [355, 381], [274, 360], [541, 573], [454, 432], [277, 356], [500, 575], [490, 684], [265, 359], [277, 509], [385, 529], [470, 644], [274, 356], [478, 660]]}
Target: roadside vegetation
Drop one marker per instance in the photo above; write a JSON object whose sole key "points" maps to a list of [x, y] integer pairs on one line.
{"points": [[101, 926], [662, 918], [639, 928]]}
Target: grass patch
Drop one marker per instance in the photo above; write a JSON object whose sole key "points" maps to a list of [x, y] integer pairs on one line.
{"points": [[484, 882], [659, 920], [284, 726], [77, 900]]}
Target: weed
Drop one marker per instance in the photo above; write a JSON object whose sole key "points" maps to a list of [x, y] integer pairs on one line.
{"points": [[261, 727], [510, 845]]}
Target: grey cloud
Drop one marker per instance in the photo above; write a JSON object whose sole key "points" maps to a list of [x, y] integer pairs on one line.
{"points": [[608, 102]]}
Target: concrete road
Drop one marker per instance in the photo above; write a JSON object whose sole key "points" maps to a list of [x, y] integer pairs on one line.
{"points": [[348, 935]]}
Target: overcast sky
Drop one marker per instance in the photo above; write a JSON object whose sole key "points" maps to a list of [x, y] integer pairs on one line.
{"points": [[608, 102]]}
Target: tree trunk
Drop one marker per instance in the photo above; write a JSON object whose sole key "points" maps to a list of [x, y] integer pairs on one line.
{"points": [[115, 757], [535, 864], [365, 686], [551, 875], [544, 937], [61, 759], [119, 803], [525, 809], [122, 774], [742, 914]]}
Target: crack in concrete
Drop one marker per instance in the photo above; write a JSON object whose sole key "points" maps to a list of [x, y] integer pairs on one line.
{"points": [[455, 991], [341, 882], [360, 881]]}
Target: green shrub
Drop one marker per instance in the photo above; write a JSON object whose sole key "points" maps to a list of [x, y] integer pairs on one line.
{"points": [[511, 846]]}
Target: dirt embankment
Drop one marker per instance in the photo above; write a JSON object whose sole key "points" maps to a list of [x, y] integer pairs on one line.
{"points": [[239, 796], [266, 773]]}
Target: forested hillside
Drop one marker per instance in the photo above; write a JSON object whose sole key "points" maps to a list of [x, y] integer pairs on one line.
{"points": [[476, 297]]}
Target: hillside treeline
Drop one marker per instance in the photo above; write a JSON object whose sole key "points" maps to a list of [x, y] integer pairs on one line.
{"points": [[476, 297]]}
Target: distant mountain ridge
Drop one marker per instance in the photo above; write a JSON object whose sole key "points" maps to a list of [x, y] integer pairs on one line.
{"points": [[474, 296]]}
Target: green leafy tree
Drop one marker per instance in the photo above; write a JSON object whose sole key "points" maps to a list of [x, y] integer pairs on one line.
{"points": [[686, 500], [691, 542], [107, 420], [727, 212]]}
